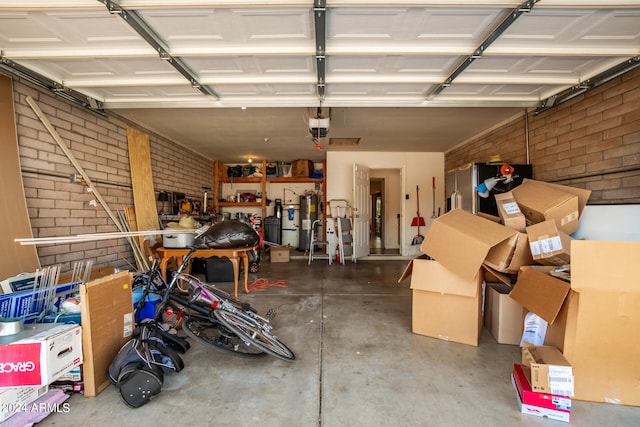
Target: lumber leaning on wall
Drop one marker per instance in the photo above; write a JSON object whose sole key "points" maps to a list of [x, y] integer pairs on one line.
{"points": [[15, 222], [142, 181]]}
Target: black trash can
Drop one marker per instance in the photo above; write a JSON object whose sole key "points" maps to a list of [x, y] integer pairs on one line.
{"points": [[272, 230]]}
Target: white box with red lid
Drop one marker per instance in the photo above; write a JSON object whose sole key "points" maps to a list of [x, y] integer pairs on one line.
{"points": [[40, 354]]}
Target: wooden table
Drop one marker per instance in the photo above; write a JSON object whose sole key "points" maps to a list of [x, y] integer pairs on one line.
{"points": [[234, 254]]}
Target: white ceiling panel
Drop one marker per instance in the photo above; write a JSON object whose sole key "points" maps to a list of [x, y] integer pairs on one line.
{"points": [[413, 63]]}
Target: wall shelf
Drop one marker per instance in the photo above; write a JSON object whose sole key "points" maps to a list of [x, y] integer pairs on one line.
{"points": [[220, 178]]}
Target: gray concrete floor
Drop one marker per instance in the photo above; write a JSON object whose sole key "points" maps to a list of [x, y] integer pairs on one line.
{"points": [[358, 364]]}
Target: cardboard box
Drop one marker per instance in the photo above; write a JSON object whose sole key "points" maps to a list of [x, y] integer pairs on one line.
{"points": [[17, 399], [301, 168], [462, 241], [279, 253], [551, 372], [540, 201], [502, 315], [445, 306], [595, 323], [107, 319], [40, 354], [509, 211], [549, 246], [539, 404]]}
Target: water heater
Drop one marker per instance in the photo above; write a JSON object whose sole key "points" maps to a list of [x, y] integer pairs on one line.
{"points": [[308, 214]]}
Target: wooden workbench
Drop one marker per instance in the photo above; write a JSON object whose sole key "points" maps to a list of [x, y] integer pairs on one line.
{"points": [[234, 254]]}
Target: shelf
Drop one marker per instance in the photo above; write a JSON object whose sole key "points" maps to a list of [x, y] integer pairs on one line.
{"points": [[240, 180], [240, 204], [219, 180], [293, 179]]}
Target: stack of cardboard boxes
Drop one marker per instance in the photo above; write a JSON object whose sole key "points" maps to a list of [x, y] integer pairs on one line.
{"points": [[543, 383], [587, 291]]}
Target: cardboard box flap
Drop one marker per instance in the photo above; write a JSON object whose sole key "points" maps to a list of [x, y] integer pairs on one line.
{"points": [[611, 266], [461, 241], [434, 277], [492, 275], [540, 293], [409, 268]]}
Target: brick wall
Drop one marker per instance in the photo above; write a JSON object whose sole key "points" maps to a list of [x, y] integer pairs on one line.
{"points": [[59, 207], [592, 141]]}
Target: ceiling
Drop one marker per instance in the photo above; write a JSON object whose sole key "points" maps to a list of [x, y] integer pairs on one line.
{"points": [[239, 79]]}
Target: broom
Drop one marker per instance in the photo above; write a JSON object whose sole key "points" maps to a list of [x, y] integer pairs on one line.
{"points": [[417, 221]]}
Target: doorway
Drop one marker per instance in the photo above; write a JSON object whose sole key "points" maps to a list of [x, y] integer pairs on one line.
{"points": [[385, 199]]}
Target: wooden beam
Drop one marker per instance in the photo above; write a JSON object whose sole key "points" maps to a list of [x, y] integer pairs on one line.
{"points": [[13, 207]]}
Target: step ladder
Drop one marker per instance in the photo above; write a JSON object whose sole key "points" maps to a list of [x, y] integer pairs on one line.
{"points": [[315, 244], [345, 239]]}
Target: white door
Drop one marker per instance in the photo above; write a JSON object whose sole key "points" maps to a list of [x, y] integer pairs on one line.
{"points": [[361, 211]]}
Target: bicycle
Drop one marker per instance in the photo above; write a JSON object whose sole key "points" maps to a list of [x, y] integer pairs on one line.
{"points": [[211, 316]]}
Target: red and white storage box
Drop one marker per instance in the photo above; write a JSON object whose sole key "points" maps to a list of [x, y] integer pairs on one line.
{"points": [[544, 405], [40, 354]]}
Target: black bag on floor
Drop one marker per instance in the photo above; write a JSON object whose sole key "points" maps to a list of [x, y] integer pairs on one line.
{"points": [[138, 368]]}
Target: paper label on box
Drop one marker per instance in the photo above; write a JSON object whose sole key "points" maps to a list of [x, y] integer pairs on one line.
{"points": [[128, 325], [573, 216], [561, 402], [511, 208], [561, 380], [546, 246], [535, 329]]}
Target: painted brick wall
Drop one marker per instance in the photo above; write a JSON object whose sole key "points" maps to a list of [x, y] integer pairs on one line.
{"points": [[592, 141], [59, 207]]}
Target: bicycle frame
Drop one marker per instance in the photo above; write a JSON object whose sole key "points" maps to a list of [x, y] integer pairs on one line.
{"points": [[206, 303]]}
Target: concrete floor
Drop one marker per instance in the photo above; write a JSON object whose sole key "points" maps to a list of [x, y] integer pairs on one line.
{"points": [[358, 364]]}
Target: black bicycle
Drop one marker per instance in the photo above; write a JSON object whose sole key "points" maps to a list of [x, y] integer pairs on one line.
{"points": [[211, 316]]}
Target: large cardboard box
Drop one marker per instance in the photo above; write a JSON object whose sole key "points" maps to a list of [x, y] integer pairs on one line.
{"points": [[539, 404], [510, 212], [445, 306], [540, 201], [40, 354], [502, 315], [462, 241], [595, 320], [549, 246], [107, 320]]}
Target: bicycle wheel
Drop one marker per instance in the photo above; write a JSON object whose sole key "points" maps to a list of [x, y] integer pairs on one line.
{"points": [[251, 329], [218, 337]]}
